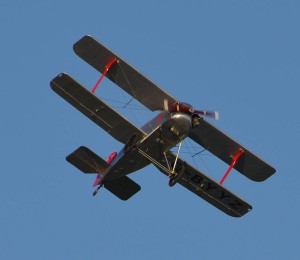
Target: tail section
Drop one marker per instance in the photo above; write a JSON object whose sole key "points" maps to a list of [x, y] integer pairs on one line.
{"points": [[89, 162]]}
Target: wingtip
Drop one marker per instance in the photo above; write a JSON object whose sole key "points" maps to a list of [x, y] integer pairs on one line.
{"points": [[83, 39]]}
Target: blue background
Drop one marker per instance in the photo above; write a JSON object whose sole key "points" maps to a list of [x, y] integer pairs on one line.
{"points": [[241, 58]]}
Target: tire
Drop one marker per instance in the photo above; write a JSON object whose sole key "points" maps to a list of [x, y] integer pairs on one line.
{"points": [[177, 177]]}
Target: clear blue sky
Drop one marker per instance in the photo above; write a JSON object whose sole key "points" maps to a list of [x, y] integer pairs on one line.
{"points": [[239, 57]]}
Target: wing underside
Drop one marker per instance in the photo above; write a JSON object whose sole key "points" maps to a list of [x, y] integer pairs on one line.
{"points": [[192, 179], [225, 148], [94, 108], [122, 74], [208, 189]]}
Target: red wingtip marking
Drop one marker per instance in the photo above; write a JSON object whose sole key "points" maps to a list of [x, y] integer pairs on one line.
{"points": [[107, 67], [234, 160]]}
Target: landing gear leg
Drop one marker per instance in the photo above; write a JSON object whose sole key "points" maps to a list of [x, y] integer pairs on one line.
{"points": [[177, 155], [175, 176]]}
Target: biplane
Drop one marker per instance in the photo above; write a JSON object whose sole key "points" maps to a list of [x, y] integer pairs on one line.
{"points": [[153, 142]]}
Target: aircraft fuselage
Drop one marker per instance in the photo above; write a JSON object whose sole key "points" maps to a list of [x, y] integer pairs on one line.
{"points": [[169, 129]]}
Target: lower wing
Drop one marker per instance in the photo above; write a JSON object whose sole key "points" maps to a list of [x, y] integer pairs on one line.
{"points": [[208, 189]]}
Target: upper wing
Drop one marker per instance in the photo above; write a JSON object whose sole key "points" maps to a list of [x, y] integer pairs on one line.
{"points": [[226, 148], [94, 108], [122, 74], [209, 190]]}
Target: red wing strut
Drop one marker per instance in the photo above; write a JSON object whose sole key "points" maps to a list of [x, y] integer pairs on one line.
{"points": [[122, 74], [234, 161], [107, 67]]}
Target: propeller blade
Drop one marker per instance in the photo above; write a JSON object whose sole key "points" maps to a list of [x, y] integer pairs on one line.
{"points": [[166, 104], [213, 114], [186, 108]]}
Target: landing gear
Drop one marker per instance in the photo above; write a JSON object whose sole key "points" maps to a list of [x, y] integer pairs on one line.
{"points": [[96, 191], [174, 170], [175, 177]]}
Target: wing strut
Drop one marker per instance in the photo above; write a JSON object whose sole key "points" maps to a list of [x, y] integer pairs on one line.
{"points": [[107, 67], [234, 161], [177, 155], [173, 172]]}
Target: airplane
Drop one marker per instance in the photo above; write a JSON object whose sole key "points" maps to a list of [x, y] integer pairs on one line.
{"points": [[152, 143]]}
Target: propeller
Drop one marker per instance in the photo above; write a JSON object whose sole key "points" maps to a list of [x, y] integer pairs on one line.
{"points": [[187, 108], [213, 114]]}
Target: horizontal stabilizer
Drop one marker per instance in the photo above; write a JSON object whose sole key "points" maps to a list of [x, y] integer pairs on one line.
{"points": [[87, 161], [124, 188]]}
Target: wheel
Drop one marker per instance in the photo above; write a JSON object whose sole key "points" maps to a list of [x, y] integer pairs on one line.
{"points": [[173, 180]]}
